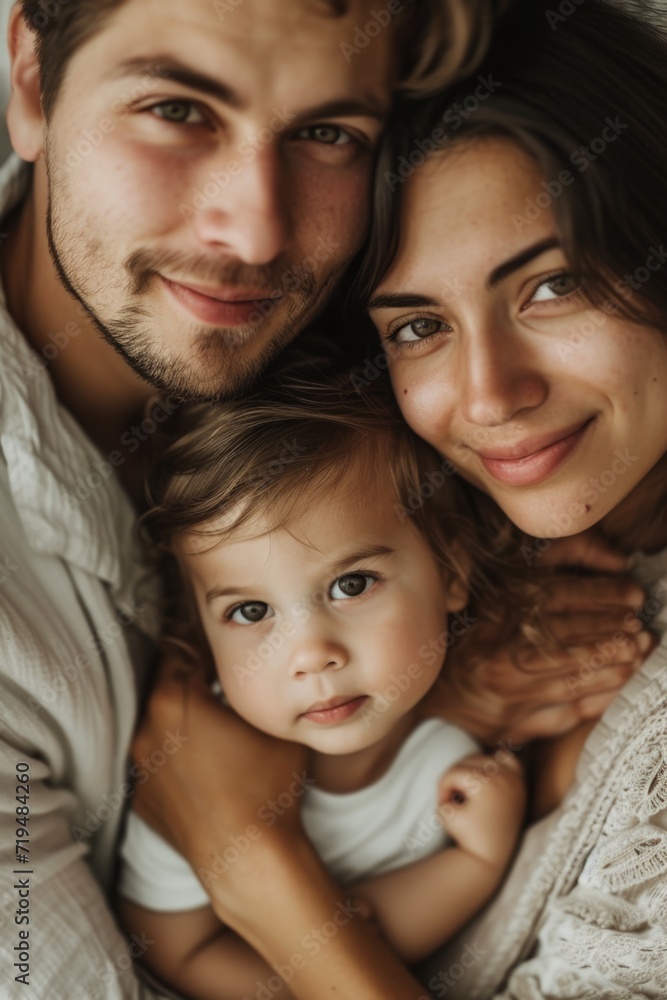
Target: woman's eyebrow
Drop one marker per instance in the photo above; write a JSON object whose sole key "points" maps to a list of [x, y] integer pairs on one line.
{"points": [[400, 301], [406, 300], [514, 263]]}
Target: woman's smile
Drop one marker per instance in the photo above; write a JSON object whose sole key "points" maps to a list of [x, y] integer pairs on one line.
{"points": [[529, 463]]}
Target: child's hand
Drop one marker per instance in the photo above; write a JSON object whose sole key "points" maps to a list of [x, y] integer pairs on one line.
{"points": [[482, 804]]}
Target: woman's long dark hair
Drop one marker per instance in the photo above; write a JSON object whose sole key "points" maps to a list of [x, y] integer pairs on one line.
{"points": [[585, 94]]}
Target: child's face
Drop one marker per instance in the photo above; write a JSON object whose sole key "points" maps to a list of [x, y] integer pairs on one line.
{"points": [[329, 630]]}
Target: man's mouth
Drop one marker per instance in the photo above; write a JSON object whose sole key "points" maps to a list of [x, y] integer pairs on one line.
{"points": [[224, 306]]}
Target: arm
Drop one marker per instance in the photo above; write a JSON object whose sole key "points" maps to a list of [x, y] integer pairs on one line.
{"points": [[196, 955], [555, 764], [277, 896], [420, 906]]}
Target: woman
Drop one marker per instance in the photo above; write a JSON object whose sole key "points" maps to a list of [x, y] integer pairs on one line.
{"points": [[522, 306]]}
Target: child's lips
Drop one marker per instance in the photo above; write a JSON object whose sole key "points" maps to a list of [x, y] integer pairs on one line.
{"points": [[335, 709]]}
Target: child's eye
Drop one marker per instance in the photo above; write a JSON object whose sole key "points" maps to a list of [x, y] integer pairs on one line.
{"points": [[249, 613], [178, 113], [351, 585]]}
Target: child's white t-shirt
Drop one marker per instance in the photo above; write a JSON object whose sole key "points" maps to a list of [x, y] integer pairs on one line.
{"points": [[387, 825]]}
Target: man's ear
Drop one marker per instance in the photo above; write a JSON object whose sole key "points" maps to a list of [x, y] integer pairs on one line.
{"points": [[25, 120]]}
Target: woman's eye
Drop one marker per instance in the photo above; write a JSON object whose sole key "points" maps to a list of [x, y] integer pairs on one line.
{"points": [[557, 286], [248, 614], [351, 585], [329, 135], [179, 113], [416, 329]]}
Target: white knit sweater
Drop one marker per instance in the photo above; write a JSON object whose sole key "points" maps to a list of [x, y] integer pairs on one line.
{"points": [[583, 913]]}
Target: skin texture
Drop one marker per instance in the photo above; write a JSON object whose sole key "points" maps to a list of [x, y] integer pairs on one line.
{"points": [[259, 190], [488, 366], [341, 627]]}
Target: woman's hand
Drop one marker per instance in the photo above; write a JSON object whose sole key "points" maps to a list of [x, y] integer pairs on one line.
{"points": [[522, 693]]}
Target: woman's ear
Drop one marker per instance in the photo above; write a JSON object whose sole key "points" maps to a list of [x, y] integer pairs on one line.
{"points": [[25, 120]]}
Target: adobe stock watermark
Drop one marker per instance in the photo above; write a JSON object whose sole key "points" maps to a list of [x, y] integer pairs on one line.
{"points": [[615, 650], [92, 138], [580, 158], [267, 814], [431, 826], [433, 481], [290, 453], [431, 652], [444, 979], [566, 9], [453, 117], [225, 7], [46, 691], [311, 943], [590, 492], [140, 772], [364, 34], [7, 568], [248, 149], [132, 439]]}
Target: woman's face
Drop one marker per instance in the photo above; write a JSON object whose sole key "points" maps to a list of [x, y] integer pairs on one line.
{"points": [[555, 409]]}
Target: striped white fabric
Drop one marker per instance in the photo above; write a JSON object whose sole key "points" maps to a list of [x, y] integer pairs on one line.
{"points": [[73, 632]]}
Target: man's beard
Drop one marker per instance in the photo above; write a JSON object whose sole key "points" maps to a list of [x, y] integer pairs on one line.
{"points": [[218, 366]]}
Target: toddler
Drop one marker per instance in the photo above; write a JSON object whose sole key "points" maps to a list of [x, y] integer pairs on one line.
{"points": [[327, 560]]}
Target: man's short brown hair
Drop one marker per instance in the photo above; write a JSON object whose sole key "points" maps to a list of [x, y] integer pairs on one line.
{"points": [[440, 39]]}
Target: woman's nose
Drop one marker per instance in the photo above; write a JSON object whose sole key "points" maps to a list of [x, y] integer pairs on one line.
{"points": [[500, 380]]}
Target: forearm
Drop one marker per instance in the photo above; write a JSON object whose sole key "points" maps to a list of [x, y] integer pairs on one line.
{"points": [[194, 954], [279, 898], [422, 905]]}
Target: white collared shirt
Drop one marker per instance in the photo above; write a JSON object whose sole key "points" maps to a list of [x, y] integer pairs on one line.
{"points": [[76, 610]]}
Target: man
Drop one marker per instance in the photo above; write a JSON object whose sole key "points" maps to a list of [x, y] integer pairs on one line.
{"points": [[200, 179]]}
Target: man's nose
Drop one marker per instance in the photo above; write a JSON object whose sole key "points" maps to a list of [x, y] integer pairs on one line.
{"points": [[499, 380], [246, 208]]}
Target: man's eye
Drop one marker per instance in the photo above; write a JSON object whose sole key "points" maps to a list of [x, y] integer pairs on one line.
{"points": [[416, 329], [330, 135], [179, 113], [249, 613], [351, 585]]}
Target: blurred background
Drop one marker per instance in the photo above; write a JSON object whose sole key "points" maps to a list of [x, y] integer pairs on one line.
{"points": [[5, 7]]}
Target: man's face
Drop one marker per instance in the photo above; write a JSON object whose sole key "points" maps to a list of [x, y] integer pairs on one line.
{"points": [[209, 168]]}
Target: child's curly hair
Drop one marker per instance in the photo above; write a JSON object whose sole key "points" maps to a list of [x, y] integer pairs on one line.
{"points": [[297, 437]]}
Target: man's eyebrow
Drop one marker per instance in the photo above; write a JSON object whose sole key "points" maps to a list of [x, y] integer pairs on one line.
{"points": [[407, 300], [167, 68], [520, 260]]}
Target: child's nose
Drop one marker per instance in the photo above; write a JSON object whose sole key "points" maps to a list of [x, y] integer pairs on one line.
{"points": [[313, 655]]}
